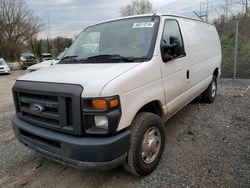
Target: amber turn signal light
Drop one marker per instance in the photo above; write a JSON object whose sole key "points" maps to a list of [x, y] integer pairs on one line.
{"points": [[114, 103], [100, 104]]}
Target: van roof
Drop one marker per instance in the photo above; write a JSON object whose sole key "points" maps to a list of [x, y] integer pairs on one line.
{"points": [[185, 17], [143, 15]]}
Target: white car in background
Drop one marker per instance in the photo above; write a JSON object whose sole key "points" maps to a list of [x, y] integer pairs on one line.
{"points": [[46, 63], [4, 68]]}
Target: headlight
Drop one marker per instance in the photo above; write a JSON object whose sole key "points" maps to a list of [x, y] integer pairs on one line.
{"points": [[101, 122], [101, 115]]}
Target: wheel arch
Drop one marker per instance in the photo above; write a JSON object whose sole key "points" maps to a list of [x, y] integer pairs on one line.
{"points": [[216, 72], [154, 107]]}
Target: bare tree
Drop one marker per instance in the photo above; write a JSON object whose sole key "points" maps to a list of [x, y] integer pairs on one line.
{"points": [[57, 45], [137, 7], [244, 3], [227, 9], [17, 25]]}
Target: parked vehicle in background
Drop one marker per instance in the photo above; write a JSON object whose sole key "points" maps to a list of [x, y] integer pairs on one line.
{"points": [[46, 56], [107, 107], [4, 68], [46, 64], [27, 59]]}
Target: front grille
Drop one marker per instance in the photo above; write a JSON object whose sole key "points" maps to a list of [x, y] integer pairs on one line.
{"points": [[58, 109], [50, 116], [1, 68], [69, 111]]}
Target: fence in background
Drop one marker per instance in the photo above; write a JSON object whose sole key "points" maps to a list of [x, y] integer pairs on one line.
{"points": [[235, 40]]}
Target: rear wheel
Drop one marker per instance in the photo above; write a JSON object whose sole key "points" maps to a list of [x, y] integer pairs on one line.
{"points": [[146, 144], [209, 94]]}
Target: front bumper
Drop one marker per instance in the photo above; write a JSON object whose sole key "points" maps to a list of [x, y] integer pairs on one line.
{"points": [[4, 71], [80, 152], [26, 64]]}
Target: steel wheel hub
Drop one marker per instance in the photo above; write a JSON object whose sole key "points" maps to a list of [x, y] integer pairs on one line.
{"points": [[151, 145], [213, 89]]}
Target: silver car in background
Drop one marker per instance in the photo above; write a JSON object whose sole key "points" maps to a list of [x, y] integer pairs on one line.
{"points": [[4, 68], [27, 59]]}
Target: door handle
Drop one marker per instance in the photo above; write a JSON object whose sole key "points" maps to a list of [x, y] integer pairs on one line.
{"points": [[188, 74]]}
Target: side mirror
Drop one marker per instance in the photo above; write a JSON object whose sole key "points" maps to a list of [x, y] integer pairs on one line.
{"points": [[172, 50]]}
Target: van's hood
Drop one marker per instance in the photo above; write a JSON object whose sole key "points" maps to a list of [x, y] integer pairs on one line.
{"points": [[92, 77]]}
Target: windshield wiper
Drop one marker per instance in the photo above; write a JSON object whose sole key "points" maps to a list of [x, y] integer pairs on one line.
{"points": [[69, 57], [112, 57]]}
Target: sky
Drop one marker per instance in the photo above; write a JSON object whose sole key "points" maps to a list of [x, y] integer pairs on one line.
{"points": [[68, 18]]}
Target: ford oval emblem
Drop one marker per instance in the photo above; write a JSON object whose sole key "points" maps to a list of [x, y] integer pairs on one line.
{"points": [[36, 108]]}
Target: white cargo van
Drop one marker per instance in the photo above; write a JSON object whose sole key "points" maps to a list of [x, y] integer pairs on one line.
{"points": [[106, 107]]}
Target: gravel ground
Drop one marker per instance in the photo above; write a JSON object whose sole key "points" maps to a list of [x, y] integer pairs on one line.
{"points": [[207, 145], [243, 70]]}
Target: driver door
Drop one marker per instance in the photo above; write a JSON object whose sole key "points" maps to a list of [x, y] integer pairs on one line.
{"points": [[175, 72]]}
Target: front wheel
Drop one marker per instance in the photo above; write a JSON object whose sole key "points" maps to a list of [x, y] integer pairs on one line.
{"points": [[146, 144], [209, 94], [22, 66]]}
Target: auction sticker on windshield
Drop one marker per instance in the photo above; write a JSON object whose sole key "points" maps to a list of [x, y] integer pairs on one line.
{"points": [[143, 24]]}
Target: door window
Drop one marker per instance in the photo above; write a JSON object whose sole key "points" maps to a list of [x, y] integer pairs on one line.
{"points": [[172, 30]]}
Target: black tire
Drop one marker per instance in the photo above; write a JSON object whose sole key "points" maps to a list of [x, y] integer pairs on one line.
{"points": [[22, 67], [209, 94], [143, 123]]}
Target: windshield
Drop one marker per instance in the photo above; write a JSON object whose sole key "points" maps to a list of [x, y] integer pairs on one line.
{"points": [[60, 56], [2, 62], [28, 55], [124, 40], [47, 56]]}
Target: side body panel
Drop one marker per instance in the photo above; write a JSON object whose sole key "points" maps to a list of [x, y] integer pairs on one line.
{"points": [[203, 56], [203, 45], [137, 87]]}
